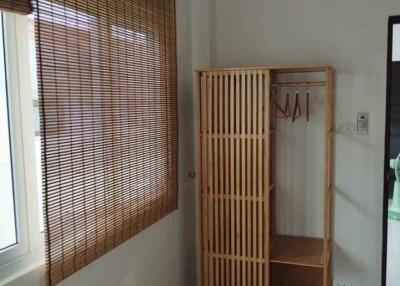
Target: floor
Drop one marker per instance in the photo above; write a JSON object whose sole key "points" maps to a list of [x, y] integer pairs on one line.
{"points": [[393, 258]]}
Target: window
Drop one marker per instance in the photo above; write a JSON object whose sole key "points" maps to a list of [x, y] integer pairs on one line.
{"points": [[8, 230], [107, 89], [396, 43], [21, 225], [36, 118], [107, 73]]}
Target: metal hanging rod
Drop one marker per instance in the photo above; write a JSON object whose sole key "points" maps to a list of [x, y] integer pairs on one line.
{"points": [[299, 84]]}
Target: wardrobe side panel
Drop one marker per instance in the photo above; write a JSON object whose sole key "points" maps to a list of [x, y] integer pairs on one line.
{"points": [[328, 173]]}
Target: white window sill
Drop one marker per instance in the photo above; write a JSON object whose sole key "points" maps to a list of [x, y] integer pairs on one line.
{"points": [[22, 267]]}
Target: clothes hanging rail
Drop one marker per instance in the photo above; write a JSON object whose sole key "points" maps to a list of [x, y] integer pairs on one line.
{"points": [[300, 84]]}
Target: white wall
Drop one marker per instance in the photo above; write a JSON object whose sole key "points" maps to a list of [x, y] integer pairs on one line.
{"points": [[165, 253], [351, 35], [150, 258], [200, 32]]}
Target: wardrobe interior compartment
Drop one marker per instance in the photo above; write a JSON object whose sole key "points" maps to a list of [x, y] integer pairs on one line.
{"points": [[300, 168]]}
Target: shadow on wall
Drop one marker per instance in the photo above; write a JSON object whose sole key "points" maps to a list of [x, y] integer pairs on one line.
{"points": [[348, 266], [356, 205]]}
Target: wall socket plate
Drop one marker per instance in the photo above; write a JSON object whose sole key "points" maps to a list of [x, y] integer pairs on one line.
{"points": [[341, 283], [345, 127], [360, 127]]}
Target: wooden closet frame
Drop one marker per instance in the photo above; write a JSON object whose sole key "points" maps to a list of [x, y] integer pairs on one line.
{"points": [[222, 230]]}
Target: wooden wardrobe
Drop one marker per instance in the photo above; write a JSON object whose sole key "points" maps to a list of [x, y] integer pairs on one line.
{"points": [[238, 112]]}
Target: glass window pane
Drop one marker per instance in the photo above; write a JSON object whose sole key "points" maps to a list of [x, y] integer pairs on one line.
{"points": [[36, 120], [396, 42], [8, 234]]}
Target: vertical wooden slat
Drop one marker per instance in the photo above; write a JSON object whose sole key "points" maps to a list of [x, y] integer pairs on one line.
{"points": [[266, 162], [254, 177], [243, 174], [228, 174], [261, 103], [232, 173], [204, 177], [221, 174], [216, 176], [210, 239], [248, 145], [238, 180]]}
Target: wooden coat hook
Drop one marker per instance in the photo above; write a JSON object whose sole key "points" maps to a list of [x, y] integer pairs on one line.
{"points": [[285, 111], [280, 109]]}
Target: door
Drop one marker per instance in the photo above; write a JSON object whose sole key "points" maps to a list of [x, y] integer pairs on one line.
{"points": [[391, 204]]}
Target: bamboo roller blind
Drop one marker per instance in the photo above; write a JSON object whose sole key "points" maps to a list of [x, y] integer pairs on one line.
{"points": [[18, 6], [107, 84], [235, 177]]}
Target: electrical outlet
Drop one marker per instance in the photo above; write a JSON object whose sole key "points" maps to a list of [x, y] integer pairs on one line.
{"points": [[341, 283], [346, 127]]}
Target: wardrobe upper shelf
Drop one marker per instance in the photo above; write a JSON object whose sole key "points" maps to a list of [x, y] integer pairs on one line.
{"points": [[294, 250], [278, 69]]}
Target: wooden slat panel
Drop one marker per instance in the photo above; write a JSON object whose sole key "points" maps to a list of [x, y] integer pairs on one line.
{"points": [[235, 167]]}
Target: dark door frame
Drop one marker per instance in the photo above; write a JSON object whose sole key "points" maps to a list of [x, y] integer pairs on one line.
{"points": [[392, 20]]}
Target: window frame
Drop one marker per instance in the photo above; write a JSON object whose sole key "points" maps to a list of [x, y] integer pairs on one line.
{"points": [[30, 247]]}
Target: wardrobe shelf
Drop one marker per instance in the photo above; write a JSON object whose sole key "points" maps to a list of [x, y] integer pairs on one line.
{"points": [[294, 250]]}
